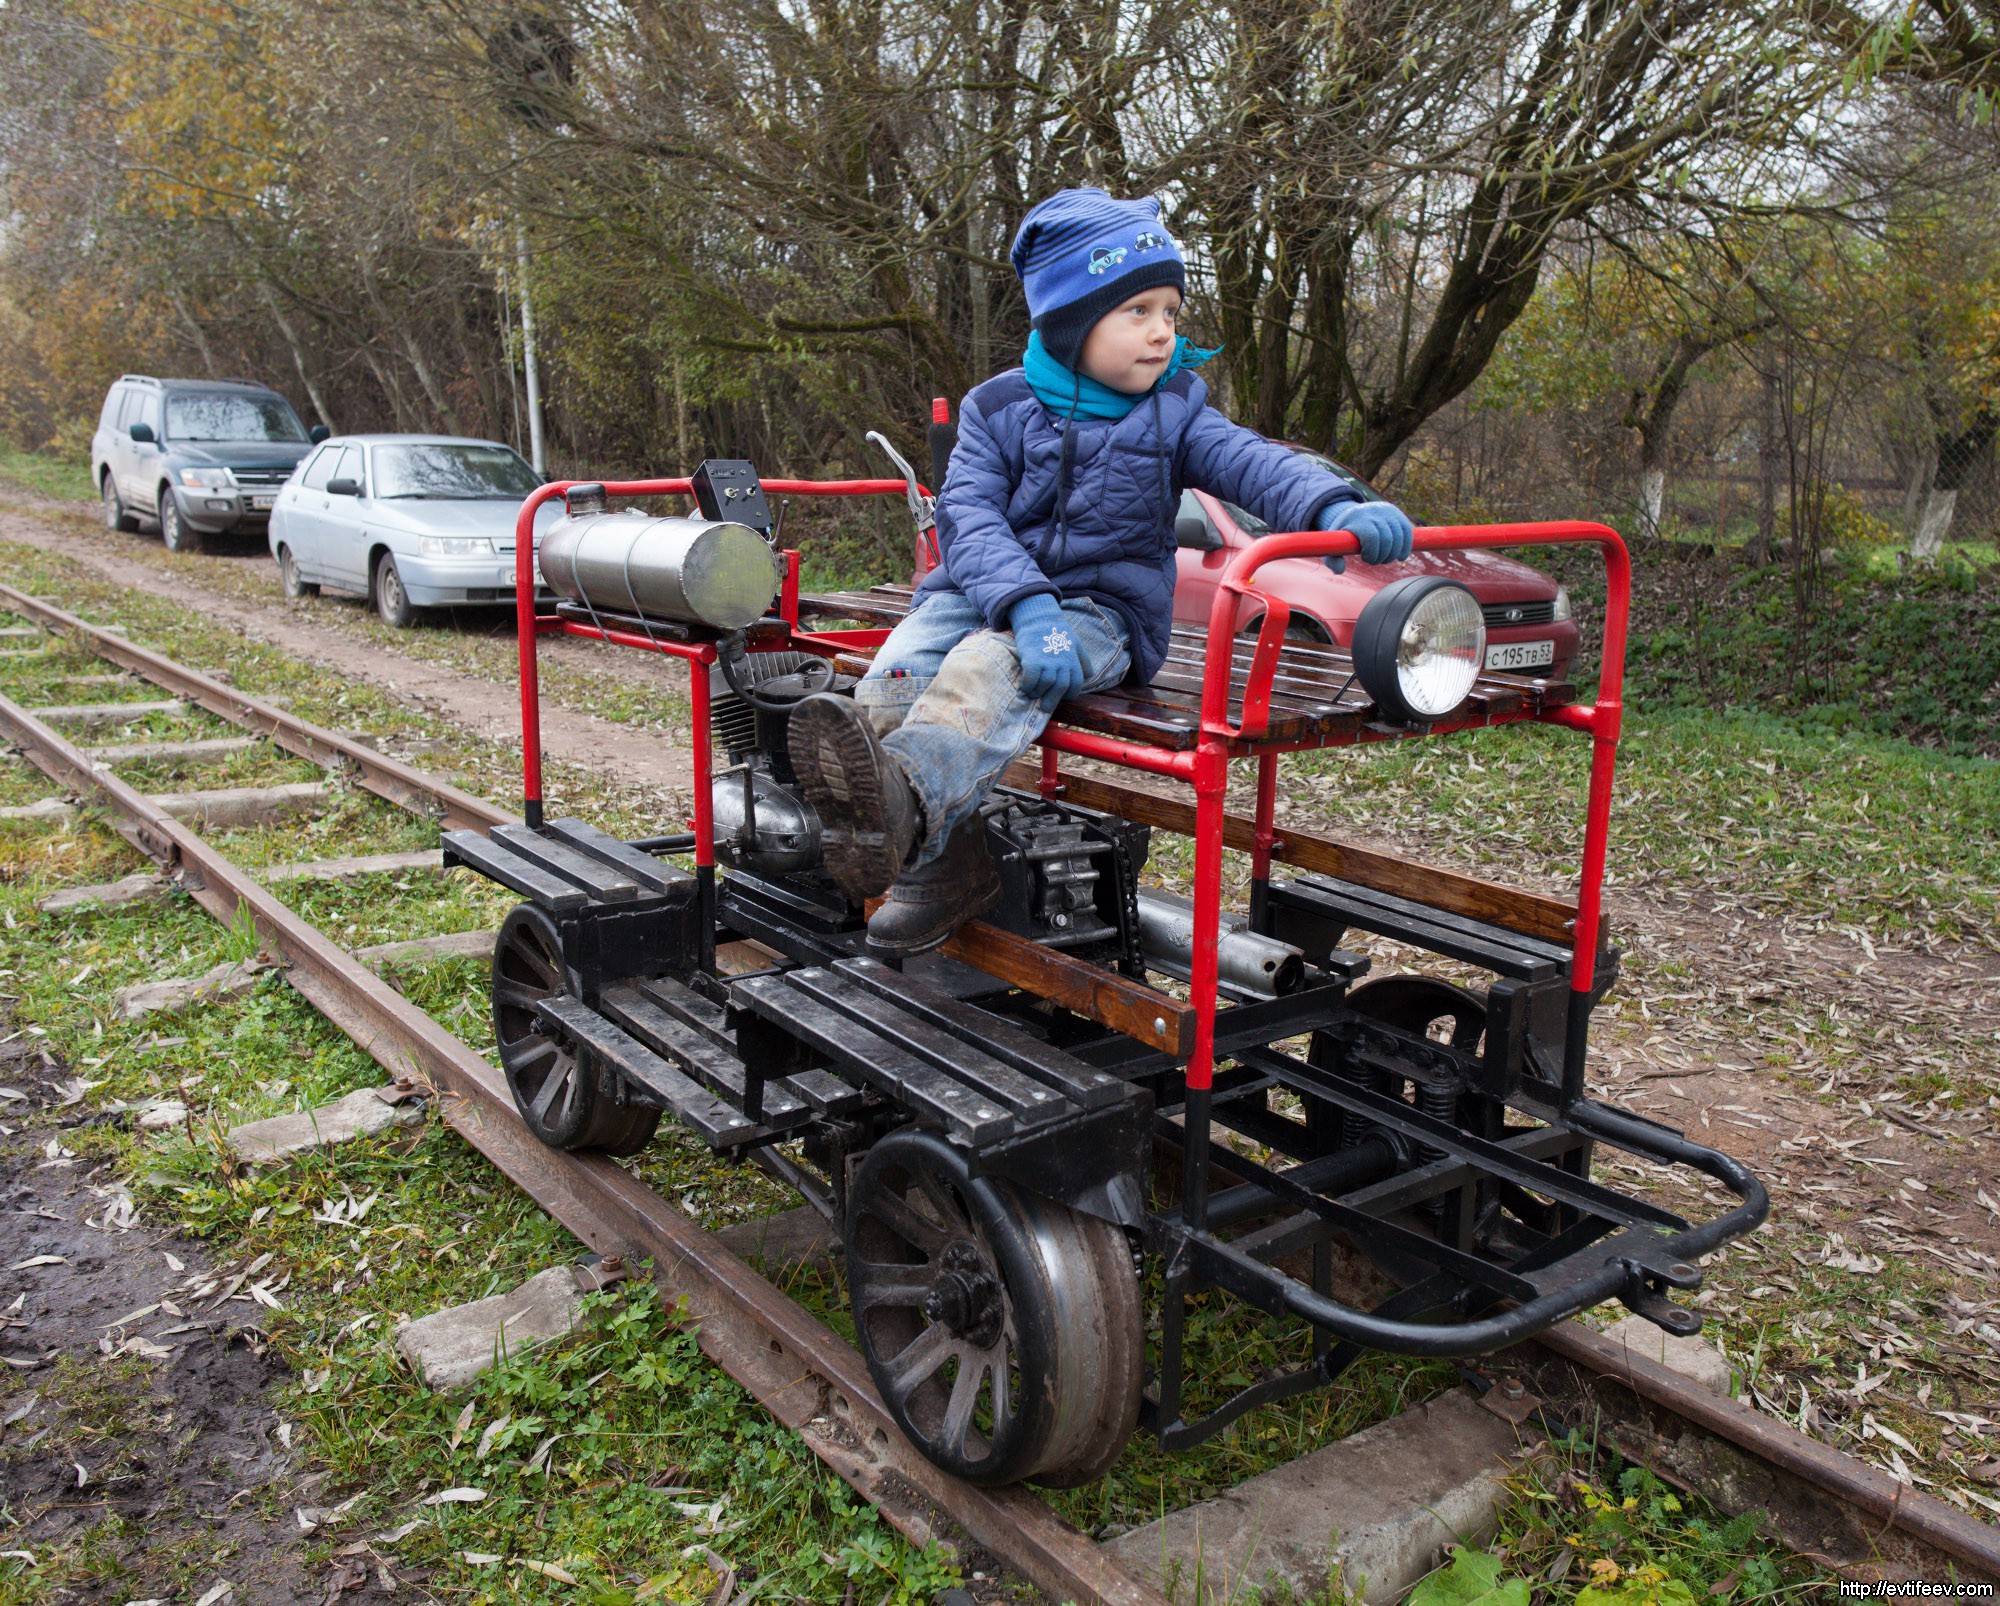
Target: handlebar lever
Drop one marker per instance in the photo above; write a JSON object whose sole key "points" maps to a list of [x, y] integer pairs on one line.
{"points": [[923, 509]]}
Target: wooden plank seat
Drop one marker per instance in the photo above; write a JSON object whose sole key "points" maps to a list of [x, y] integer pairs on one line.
{"points": [[1316, 701]]}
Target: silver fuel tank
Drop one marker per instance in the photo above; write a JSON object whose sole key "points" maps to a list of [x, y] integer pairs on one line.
{"points": [[697, 571]]}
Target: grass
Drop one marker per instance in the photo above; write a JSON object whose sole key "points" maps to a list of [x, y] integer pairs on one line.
{"points": [[1908, 654], [47, 473]]}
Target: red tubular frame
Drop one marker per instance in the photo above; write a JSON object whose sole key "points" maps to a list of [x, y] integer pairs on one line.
{"points": [[1220, 741], [699, 655], [1206, 767]]}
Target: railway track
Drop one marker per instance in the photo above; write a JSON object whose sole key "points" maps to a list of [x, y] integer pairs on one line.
{"points": [[1850, 1515]]}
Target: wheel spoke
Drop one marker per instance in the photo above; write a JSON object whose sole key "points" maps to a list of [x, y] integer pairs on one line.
{"points": [[897, 1286], [534, 1055], [517, 995], [973, 1365], [1003, 1403], [918, 1359], [946, 1210], [546, 1094], [914, 1228], [529, 955]]}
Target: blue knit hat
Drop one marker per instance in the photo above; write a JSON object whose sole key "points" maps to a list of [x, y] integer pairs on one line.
{"points": [[1080, 254]]}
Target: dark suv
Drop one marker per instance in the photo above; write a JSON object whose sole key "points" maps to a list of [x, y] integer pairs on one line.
{"points": [[195, 456]]}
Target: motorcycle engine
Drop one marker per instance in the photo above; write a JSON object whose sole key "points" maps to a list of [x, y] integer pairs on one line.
{"points": [[761, 821]]}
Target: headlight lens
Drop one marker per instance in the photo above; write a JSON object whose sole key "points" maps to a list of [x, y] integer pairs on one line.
{"points": [[1418, 647], [454, 546], [208, 479], [1562, 604]]}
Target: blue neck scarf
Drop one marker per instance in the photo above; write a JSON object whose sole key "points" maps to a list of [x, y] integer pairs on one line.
{"points": [[1069, 394]]}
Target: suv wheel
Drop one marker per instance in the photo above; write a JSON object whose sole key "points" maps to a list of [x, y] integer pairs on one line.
{"points": [[392, 602], [174, 532], [115, 516], [288, 576]]}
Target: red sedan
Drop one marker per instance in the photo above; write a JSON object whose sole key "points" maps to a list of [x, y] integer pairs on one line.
{"points": [[1528, 624]]}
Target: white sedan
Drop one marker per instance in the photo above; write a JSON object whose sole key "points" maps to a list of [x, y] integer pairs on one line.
{"points": [[405, 521]]}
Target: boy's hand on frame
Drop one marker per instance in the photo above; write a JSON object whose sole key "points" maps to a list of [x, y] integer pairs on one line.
{"points": [[1384, 530], [1047, 649]]}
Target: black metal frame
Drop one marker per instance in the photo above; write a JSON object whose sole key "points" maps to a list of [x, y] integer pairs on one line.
{"points": [[1494, 1231]]}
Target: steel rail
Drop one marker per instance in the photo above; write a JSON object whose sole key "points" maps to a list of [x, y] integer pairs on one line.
{"points": [[1789, 1469], [796, 1366], [402, 784], [1765, 1461]]}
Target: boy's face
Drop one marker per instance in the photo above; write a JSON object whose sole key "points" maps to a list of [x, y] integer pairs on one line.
{"points": [[1128, 347]]}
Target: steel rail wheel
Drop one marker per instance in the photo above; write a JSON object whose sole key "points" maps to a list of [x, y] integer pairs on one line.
{"points": [[566, 1097], [1003, 1330], [1424, 1007]]}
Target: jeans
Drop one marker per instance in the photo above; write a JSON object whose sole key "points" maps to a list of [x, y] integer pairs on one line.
{"points": [[944, 694]]}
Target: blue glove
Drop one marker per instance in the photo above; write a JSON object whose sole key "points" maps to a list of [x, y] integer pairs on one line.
{"points": [[1050, 668], [1384, 529]]}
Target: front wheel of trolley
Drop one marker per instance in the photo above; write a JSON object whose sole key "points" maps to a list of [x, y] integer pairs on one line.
{"points": [[1004, 1330], [567, 1097]]}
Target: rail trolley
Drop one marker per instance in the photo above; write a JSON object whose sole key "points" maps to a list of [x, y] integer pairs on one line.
{"points": [[1098, 1096]]}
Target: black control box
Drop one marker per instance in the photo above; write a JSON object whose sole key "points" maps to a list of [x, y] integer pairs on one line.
{"points": [[726, 488]]}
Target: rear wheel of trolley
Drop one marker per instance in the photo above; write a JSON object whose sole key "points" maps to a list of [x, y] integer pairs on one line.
{"points": [[568, 1098], [1004, 1330]]}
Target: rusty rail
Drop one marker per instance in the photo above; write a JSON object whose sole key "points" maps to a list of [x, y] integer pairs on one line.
{"points": [[402, 784], [1826, 1503], [795, 1365]]}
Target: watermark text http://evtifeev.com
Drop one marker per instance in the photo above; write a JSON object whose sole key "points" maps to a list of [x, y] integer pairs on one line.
{"points": [[1912, 1589]]}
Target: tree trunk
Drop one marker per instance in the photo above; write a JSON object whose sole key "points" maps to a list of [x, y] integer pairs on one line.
{"points": [[1770, 446], [1934, 526], [1652, 500], [298, 354], [195, 333], [1923, 475]]}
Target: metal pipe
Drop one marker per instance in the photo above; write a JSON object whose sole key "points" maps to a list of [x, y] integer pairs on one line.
{"points": [[1246, 961], [1370, 1161]]}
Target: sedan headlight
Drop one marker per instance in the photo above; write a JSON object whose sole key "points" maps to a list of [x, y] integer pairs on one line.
{"points": [[454, 546], [1562, 605], [1418, 647], [208, 479]]}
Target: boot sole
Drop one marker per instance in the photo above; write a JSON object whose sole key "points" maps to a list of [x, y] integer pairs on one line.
{"points": [[938, 936], [836, 767]]}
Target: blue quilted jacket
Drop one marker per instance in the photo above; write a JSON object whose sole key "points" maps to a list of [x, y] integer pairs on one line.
{"points": [[1004, 536]]}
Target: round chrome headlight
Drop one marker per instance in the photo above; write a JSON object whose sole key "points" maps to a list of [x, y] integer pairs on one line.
{"points": [[1418, 647]]}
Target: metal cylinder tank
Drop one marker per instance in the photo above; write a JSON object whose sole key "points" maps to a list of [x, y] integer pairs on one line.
{"points": [[697, 571]]}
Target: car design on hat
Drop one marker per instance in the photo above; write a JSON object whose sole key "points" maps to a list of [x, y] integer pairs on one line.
{"points": [[1106, 257], [1149, 241]]}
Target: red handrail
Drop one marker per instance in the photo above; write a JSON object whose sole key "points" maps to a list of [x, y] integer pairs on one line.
{"points": [[1209, 770]]}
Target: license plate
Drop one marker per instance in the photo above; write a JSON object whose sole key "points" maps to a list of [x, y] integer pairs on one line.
{"points": [[262, 504], [1520, 654]]}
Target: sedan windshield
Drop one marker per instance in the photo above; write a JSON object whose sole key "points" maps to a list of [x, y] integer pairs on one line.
{"points": [[225, 416], [452, 473]]}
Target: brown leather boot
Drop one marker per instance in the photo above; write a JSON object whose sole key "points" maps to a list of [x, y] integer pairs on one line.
{"points": [[926, 906], [870, 819]]}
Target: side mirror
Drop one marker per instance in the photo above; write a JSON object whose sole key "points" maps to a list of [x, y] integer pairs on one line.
{"points": [[1193, 531], [318, 433], [346, 485], [142, 433]]}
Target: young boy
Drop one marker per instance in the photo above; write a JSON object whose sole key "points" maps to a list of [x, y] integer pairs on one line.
{"points": [[1056, 522]]}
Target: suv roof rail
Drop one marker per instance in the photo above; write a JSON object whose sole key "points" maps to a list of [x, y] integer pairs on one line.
{"points": [[146, 378]]}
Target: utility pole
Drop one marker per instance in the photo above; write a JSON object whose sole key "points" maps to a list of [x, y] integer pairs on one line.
{"points": [[537, 453]]}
